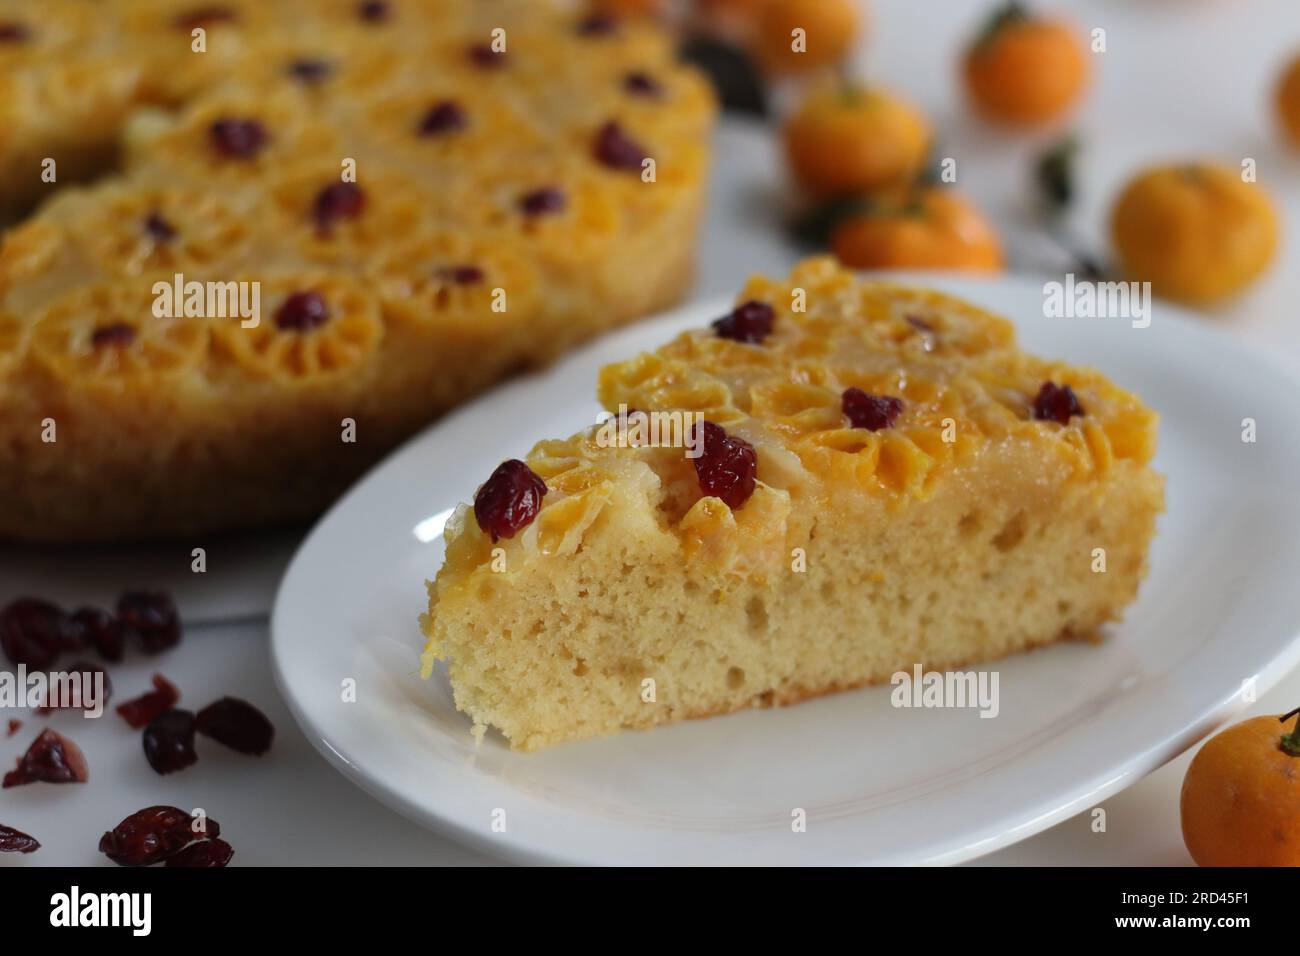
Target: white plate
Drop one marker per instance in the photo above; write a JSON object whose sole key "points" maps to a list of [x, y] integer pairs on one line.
{"points": [[879, 785]]}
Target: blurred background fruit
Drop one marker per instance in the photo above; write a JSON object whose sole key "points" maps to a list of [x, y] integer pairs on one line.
{"points": [[932, 228], [1026, 69], [627, 8], [1287, 100], [1195, 231], [850, 139], [830, 28]]}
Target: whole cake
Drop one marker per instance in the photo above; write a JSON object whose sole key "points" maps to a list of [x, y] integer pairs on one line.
{"points": [[311, 226], [837, 481]]}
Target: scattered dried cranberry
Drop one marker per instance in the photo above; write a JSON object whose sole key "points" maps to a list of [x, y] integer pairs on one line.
{"points": [[616, 149], [153, 834], [15, 841], [485, 58], [52, 758], [872, 412], [14, 727], [639, 83], [169, 741], [302, 312], [237, 724], [1056, 403], [461, 275], [337, 202], [158, 228], [311, 71], [119, 335], [373, 11], [11, 31], [151, 618], [141, 711], [443, 117], [542, 201], [95, 627], [238, 138], [87, 671], [509, 499], [597, 25], [205, 17], [31, 633], [206, 854], [727, 466], [748, 322]]}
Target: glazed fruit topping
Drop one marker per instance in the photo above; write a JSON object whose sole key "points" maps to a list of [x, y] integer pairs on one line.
{"points": [[444, 117], [542, 201], [31, 633], [461, 275], [11, 31], [95, 627], [1056, 403], [205, 17], [141, 711], [206, 854], [598, 25], [15, 841], [748, 322], [87, 672], [169, 741], [237, 724], [373, 11], [616, 149], [150, 618], [302, 312], [238, 138], [52, 758], [158, 228], [485, 58], [153, 834], [509, 500], [643, 84], [872, 412], [311, 71], [727, 466], [338, 202], [119, 335]]}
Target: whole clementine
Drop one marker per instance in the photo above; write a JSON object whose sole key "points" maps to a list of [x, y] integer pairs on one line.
{"points": [[1025, 69], [1241, 794], [932, 229], [795, 36]]}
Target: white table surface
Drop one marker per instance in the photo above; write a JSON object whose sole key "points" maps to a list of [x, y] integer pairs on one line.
{"points": [[1180, 79]]}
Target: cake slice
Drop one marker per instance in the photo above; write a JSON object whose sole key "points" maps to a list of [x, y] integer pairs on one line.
{"points": [[883, 479]]}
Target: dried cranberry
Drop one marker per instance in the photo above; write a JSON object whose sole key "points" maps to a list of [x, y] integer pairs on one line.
{"points": [[237, 724], [872, 412], [311, 71], [90, 695], [151, 618], [302, 312], [373, 11], [748, 322], [542, 201], [238, 138], [461, 275], [206, 854], [444, 117], [158, 228], [15, 841], [484, 57], [643, 84], [119, 335], [616, 149], [11, 31], [14, 727], [140, 711], [727, 466], [95, 627], [205, 17], [338, 202], [1056, 403], [153, 834], [509, 499], [169, 741], [52, 758], [597, 25], [31, 633]]}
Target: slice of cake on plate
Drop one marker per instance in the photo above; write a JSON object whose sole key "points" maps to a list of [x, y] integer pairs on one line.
{"points": [[872, 477]]}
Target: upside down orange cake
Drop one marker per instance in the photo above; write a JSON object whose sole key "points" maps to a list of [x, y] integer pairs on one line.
{"points": [[415, 197], [872, 477]]}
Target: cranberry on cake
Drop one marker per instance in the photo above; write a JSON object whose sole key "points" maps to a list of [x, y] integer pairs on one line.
{"points": [[880, 480]]}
